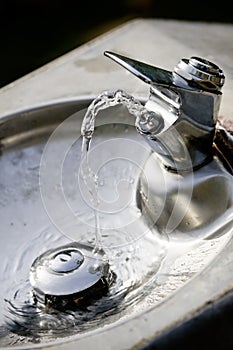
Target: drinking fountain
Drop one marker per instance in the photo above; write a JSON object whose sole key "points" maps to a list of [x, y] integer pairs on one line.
{"points": [[175, 190], [116, 199]]}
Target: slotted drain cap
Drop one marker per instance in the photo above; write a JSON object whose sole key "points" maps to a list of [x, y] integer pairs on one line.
{"points": [[67, 270]]}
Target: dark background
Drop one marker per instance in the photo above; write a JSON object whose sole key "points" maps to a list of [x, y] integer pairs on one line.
{"points": [[34, 32]]}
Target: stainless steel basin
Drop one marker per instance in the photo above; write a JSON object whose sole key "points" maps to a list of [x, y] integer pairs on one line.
{"points": [[44, 204]]}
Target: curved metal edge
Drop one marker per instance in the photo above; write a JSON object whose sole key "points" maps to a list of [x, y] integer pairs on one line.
{"points": [[56, 102]]}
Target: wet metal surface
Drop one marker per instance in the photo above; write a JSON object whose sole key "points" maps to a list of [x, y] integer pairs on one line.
{"points": [[31, 232]]}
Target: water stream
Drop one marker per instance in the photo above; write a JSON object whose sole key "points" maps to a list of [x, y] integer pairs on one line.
{"points": [[103, 101]]}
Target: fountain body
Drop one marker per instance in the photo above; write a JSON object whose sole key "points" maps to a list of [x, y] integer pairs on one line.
{"points": [[182, 179]]}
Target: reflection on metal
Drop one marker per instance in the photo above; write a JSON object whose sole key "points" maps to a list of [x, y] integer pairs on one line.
{"points": [[69, 274], [184, 189]]}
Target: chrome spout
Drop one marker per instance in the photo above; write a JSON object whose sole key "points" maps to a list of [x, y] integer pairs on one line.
{"points": [[188, 101]]}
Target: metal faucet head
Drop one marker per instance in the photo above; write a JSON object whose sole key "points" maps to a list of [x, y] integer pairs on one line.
{"points": [[188, 99], [194, 73]]}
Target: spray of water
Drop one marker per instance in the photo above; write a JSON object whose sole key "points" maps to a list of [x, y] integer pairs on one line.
{"points": [[108, 99], [103, 101]]}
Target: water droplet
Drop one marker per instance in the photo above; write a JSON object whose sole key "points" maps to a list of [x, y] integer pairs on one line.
{"points": [[131, 180], [101, 182], [95, 269], [91, 240]]}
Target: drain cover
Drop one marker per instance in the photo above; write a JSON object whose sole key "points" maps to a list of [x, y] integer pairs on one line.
{"points": [[70, 272]]}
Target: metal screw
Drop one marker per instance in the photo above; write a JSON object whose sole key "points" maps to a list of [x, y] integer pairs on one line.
{"points": [[150, 123]]}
